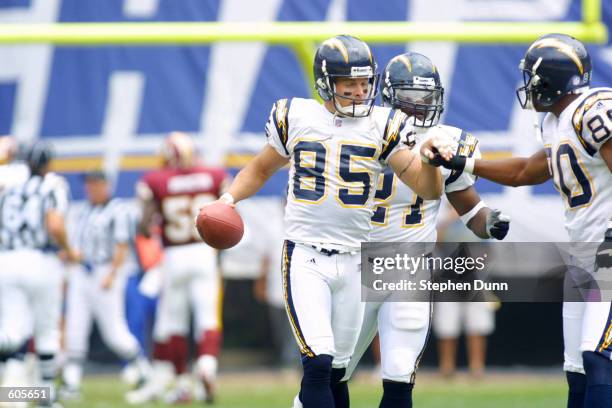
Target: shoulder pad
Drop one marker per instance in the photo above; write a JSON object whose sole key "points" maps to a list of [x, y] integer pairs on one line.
{"points": [[597, 129], [280, 116], [467, 144], [396, 122]]}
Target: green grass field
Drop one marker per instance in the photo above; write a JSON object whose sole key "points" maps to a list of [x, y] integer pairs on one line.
{"points": [[265, 390]]}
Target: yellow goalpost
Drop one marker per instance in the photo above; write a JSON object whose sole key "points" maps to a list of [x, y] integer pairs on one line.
{"points": [[302, 37]]}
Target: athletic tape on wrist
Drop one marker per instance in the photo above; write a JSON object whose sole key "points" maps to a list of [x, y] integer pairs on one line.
{"points": [[227, 197], [469, 165], [470, 214]]}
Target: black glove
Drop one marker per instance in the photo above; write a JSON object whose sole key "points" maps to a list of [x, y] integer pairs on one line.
{"points": [[498, 224], [604, 252], [455, 163]]}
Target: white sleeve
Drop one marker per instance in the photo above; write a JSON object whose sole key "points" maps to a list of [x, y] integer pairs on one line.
{"points": [[121, 223], [57, 197], [593, 121], [460, 180], [277, 127]]}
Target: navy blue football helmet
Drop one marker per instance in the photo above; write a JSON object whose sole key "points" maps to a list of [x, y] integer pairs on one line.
{"points": [[38, 157], [554, 65], [348, 57], [411, 83]]}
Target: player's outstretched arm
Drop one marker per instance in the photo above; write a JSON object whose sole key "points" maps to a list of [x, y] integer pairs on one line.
{"points": [[251, 178], [515, 171], [480, 219]]}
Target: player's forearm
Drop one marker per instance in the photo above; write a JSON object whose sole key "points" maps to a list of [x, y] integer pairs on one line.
{"points": [[428, 183], [478, 223], [248, 182], [509, 172]]}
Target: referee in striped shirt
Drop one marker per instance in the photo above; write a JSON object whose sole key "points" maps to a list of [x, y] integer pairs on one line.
{"points": [[96, 290]]}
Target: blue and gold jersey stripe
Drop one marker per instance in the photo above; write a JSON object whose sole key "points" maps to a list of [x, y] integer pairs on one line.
{"points": [[280, 115], [584, 106], [393, 129], [420, 356], [293, 319], [467, 147], [604, 346]]}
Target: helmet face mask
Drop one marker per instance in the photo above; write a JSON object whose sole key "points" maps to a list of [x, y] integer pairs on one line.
{"points": [[412, 84], [347, 105], [525, 92], [532, 95], [424, 104], [349, 58]]}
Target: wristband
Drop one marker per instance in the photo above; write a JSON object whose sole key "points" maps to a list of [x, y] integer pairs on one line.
{"points": [[470, 214], [227, 197], [470, 162]]}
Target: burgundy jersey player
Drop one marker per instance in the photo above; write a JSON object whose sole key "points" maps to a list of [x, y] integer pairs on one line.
{"points": [[176, 192], [172, 197]]}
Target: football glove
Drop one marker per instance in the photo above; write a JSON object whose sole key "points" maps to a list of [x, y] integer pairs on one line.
{"points": [[498, 224], [455, 163]]}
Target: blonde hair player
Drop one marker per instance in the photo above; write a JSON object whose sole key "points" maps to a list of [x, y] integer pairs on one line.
{"points": [[335, 151]]}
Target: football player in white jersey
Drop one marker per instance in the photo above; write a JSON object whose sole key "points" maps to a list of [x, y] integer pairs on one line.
{"points": [[411, 82], [577, 155], [31, 230], [336, 151]]}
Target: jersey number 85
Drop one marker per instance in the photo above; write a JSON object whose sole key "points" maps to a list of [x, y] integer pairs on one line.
{"points": [[309, 184]]}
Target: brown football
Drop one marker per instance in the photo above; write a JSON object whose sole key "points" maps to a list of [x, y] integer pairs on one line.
{"points": [[220, 225]]}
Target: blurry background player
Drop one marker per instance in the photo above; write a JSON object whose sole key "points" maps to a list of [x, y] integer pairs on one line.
{"points": [[140, 304], [31, 231], [12, 169], [411, 83], [191, 280], [96, 289], [450, 319], [577, 154]]}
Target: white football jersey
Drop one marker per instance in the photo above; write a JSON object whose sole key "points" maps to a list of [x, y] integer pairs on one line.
{"points": [[402, 216], [572, 142], [334, 167], [13, 173], [22, 211]]}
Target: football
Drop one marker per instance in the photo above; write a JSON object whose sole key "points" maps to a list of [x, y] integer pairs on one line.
{"points": [[220, 225]]}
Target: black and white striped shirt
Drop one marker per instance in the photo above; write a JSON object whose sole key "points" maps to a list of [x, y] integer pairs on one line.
{"points": [[99, 228], [23, 209]]}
